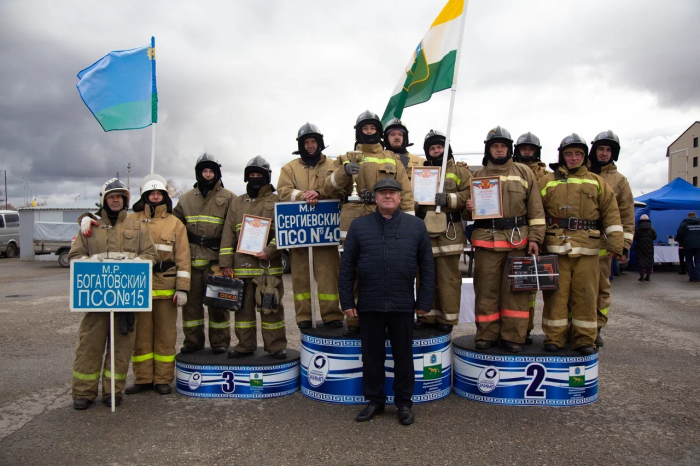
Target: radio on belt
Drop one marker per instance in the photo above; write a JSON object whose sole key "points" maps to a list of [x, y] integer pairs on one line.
{"points": [[224, 292]]}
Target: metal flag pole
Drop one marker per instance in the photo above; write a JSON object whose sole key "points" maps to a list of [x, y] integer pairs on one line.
{"points": [[153, 149], [453, 93], [313, 287], [111, 358]]}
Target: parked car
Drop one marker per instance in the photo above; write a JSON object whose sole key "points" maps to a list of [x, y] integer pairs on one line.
{"points": [[9, 232], [55, 238], [60, 248]]}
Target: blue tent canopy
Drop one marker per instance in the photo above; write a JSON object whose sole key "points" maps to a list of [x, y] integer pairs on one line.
{"points": [[668, 206]]}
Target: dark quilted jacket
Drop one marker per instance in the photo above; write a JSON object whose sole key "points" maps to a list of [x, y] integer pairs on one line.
{"points": [[644, 237], [386, 254]]}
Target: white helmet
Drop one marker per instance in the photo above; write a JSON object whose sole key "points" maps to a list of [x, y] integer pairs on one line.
{"points": [[152, 182], [115, 186]]}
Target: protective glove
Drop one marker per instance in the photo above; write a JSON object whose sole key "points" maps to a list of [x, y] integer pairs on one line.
{"points": [[180, 298], [97, 256], [126, 322], [119, 257], [441, 199], [352, 168], [86, 226]]}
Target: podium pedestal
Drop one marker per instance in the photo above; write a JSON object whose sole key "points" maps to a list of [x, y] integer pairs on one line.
{"points": [[531, 378], [207, 375], [331, 366]]}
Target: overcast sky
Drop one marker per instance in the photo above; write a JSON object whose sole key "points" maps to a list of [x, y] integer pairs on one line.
{"points": [[238, 78]]}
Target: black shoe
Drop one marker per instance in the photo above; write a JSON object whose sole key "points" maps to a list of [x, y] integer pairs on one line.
{"points": [[304, 324], [405, 416], [419, 325], [513, 347], [189, 349], [586, 350], [551, 348], [108, 401], [369, 412], [219, 349], [138, 388], [163, 389], [351, 331], [483, 344], [445, 328], [334, 324], [239, 354], [81, 403], [528, 338], [647, 278], [599, 340], [281, 354]]}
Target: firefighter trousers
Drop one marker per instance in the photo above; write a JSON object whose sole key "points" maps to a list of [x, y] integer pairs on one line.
{"points": [[93, 353], [577, 293], [193, 315], [448, 292], [326, 270], [500, 312], [532, 303], [272, 325], [153, 360], [604, 289]]}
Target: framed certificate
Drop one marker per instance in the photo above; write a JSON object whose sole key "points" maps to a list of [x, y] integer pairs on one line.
{"points": [[424, 182], [253, 236], [486, 194]]}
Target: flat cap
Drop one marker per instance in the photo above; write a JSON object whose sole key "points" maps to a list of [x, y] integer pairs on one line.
{"points": [[388, 183]]}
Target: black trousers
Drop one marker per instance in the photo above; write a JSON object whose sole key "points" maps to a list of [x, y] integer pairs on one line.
{"points": [[400, 326]]}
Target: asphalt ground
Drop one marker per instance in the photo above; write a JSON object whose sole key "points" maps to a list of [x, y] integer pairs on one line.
{"points": [[647, 411]]}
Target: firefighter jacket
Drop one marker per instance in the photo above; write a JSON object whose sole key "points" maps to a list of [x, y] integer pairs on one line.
{"points": [[246, 265], [376, 163], [128, 237], [625, 200], [521, 199], [409, 161], [170, 239], [297, 177], [204, 217], [538, 168], [452, 240], [580, 196]]}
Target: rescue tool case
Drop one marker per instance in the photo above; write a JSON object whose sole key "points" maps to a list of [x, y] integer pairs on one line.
{"points": [[523, 276], [224, 292]]}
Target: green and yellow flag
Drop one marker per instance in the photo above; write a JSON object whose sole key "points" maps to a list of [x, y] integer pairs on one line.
{"points": [[432, 66]]}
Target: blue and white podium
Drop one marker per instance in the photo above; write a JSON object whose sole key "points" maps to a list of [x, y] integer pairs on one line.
{"points": [[331, 366], [204, 374], [531, 378]]}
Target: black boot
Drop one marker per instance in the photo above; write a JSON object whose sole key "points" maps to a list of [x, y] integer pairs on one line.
{"points": [[647, 278], [528, 338], [586, 350], [551, 347], [304, 324], [239, 354], [351, 331], [81, 403], [512, 347], [281, 354], [334, 324], [163, 388], [219, 349], [138, 388], [405, 416], [483, 344], [189, 348], [108, 401], [641, 277], [419, 324], [445, 328], [599, 340]]}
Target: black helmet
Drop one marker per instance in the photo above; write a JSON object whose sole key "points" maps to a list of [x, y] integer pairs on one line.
{"points": [[207, 160], [573, 140], [433, 138], [258, 165], [497, 134], [309, 130], [364, 118], [392, 124], [527, 138], [606, 138], [115, 185]]}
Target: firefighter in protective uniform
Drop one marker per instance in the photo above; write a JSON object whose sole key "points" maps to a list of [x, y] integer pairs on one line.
{"points": [[581, 209], [262, 273], [527, 150], [396, 140], [203, 211], [153, 359], [114, 237], [501, 313], [365, 170], [448, 245], [605, 150], [302, 180]]}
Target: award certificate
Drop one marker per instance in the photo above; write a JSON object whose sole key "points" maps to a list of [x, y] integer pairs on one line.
{"points": [[425, 181], [253, 236], [486, 194]]}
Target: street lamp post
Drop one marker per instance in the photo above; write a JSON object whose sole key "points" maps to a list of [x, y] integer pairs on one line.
{"points": [[686, 160]]}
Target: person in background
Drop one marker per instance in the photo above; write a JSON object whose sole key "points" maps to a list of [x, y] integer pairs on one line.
{"points": [[644, 237], [688, 235]]}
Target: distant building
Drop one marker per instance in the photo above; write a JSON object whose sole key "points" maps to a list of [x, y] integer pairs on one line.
{"points": [[683, 156]]}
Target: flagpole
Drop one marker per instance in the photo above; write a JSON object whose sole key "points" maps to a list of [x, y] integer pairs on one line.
{"points": [[153, 148], [453, 93]]}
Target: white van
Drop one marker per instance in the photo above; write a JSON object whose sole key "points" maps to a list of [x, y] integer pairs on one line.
{"points": [[9, 232]]}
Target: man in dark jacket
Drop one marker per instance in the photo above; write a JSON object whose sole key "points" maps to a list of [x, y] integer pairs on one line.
{"points": [[383, 251], [689, 236]]}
